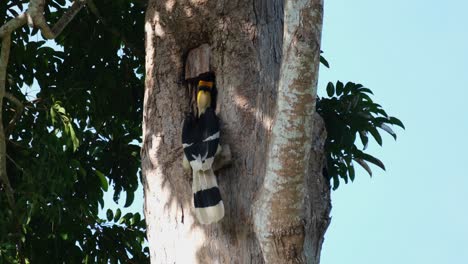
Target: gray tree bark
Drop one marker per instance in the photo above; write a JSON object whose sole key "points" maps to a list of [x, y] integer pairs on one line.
{"points": [[266, 79]]}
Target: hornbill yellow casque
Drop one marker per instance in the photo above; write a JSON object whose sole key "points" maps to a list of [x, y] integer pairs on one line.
{"points": [[200, 141]]}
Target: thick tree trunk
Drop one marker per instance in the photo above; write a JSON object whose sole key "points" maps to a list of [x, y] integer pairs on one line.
{"points": [[246, 40]]}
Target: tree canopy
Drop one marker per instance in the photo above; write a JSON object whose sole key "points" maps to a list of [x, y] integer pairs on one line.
{"points": [[76, 133]]}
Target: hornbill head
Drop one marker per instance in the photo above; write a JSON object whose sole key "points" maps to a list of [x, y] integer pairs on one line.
{"points": [[204, 95]]}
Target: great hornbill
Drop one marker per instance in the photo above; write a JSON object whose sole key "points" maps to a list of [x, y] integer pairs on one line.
{"points": [[200, 141]]}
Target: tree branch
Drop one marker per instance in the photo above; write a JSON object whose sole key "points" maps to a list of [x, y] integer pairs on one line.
{"points": [[12, 25], [5, 34], [4, 55], [36, 17]]}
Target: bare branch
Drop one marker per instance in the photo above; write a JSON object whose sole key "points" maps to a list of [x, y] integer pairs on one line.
{"points": [[36, 15]]}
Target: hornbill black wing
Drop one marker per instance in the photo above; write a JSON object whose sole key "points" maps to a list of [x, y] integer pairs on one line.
{"points": [[200, 139], [190, 137], [210, 133]]}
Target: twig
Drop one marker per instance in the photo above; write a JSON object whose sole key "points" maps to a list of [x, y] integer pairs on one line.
{"points": [[14, 162]]}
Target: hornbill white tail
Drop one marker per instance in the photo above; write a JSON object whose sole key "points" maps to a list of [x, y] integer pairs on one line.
{"points": [[200, 140]]}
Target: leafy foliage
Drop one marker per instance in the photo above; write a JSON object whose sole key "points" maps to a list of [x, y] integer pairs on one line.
{"points": [[350, 112], [77, 136]]}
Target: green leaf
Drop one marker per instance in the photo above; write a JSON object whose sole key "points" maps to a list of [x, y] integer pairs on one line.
{"points": [[357, 86], [364, 139], [60, 109], [388, 130], [129, 199], [367, 98], [339, 88], [100, 202], [376, 135], [126, 218], [397, 122], [330, 89], [324, 61], [336, 182], [379, 111], [365, 90], [103, 180], [118, 213], [347, 88], [64, 236], [364, 115], [373, 160], [364, 165], [73, 137], [381, 120], [66, 129], [110, 215], [135, 219], [351, 172], [52, 115]]}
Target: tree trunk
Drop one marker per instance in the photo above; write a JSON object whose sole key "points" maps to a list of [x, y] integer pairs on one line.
{"points": [[266, 103]]}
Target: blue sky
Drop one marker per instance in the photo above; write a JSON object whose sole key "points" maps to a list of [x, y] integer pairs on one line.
{"points": [[414, 56]]}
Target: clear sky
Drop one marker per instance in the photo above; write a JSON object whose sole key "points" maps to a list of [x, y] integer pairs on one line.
{"points": [[414, 56]]}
